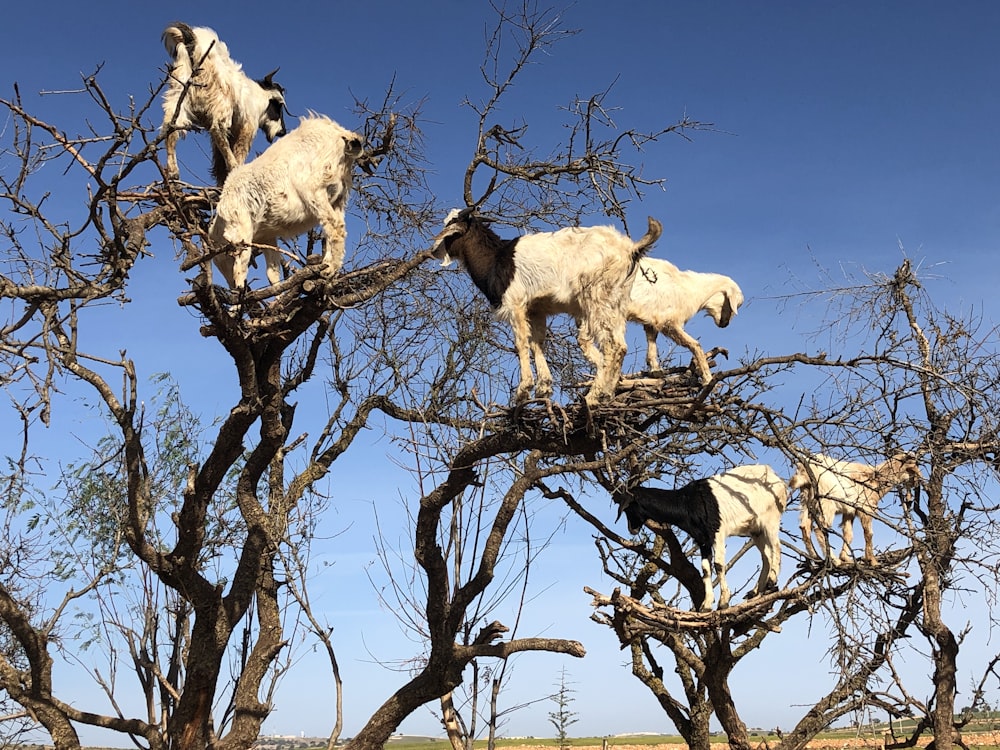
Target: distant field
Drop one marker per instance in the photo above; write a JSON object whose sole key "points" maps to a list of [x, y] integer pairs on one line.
{"points": [[835, 740]]}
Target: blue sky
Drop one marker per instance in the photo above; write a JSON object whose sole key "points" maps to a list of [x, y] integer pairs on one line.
{"points": [[847, 135]]}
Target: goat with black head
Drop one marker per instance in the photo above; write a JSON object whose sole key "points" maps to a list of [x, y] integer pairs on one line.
{"points": [[208, 90], [585, 272], [746, 501]]}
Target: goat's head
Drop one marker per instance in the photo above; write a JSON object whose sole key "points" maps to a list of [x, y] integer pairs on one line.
{"points": [[905, 469], [456, 224], [272, 119], [633, 515], [724, 304], [353, 146]]}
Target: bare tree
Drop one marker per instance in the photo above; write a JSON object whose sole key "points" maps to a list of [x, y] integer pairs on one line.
{"points": [[932, 394]]}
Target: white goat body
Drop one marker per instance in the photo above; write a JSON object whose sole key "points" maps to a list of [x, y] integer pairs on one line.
{"points": [[583, 272], [830, 486], [664, 298], [299, 182], [208, 90], [745, 501]]}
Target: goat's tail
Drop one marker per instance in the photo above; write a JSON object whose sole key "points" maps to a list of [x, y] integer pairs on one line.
{"points": [[220, 167], [646, 242]]}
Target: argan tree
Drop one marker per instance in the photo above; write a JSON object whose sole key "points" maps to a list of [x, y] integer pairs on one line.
{"points": [[201, 526]]}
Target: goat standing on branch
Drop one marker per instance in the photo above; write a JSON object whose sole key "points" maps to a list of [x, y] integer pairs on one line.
{"points": [[664, 298], [829, 486], [585, 272], [298, 182], [746, 501], [208, 90]]}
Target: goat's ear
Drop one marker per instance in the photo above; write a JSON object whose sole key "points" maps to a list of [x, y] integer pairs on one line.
{"points": [[439, 247], [724, 313], [463, 215]]}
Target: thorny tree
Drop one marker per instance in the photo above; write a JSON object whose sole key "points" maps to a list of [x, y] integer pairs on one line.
{"points": [[212, 553], [926, 384], [221, 543]]}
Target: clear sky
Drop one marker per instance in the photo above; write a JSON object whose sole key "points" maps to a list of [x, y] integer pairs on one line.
{"points": [[848, 134]]}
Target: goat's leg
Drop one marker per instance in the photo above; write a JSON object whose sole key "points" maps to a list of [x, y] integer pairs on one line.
{"points": [[536, 339], [522, 344], [585, 338], [241, 265], [170, 146], [272, 259], [652, 356], [770, 561], [866, 528], [334, 240], [682, 337], [610, 331], [719, 554], [706, 576], [847, 529], [220, 142], [806, 527]]}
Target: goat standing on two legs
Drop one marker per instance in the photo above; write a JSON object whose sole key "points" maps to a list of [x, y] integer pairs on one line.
{"points": [[298, 182], [585, 272], [664, 298], [746, 501], [208, 90], [830, 486]]}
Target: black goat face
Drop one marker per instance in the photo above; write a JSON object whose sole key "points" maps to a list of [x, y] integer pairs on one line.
{"points": [[273, 120]]}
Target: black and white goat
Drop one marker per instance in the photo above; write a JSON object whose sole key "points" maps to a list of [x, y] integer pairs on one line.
{"points": [[829, 486], [208, 90], [746, 501], [664, 298], [584, 272], [299, 182]]}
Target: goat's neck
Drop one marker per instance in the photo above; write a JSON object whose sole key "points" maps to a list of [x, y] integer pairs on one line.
{"points": [[488, 259]]}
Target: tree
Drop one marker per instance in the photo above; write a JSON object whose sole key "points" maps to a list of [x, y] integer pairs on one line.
{"points": [[210, 522], [930, 393], [563, 718], [210, 548]]}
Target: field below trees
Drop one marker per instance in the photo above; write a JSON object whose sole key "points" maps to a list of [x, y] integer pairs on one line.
{"points": [[836, 740]]}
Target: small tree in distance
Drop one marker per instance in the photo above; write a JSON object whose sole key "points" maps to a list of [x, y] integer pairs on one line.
{"points": [[563, 718]]}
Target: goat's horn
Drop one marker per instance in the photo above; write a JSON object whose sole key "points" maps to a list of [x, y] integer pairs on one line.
{"points": [[463, 214], [269, 76], [623, 500]]}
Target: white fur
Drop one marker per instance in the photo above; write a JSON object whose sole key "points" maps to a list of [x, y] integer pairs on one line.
{"points": [[299, 182], [208, 90], [664, 298], [584, 272], [830, 486]]}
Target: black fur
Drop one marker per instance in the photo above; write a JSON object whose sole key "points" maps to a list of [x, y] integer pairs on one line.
{"points": [[692, 508], [187, 34], [488, 258]]}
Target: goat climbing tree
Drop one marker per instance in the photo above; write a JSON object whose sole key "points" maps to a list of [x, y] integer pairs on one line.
{"points": [[203, 526]]}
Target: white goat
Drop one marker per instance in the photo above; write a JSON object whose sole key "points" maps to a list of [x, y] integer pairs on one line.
{"points": [[830, 486], [298, 182], [585, 272], [746, 501], [664, 298], [208, 90]]}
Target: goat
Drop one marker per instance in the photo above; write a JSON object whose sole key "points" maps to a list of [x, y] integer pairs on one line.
{"points": [[746, 501], [298, 182], [830, 486], [585, 272], [208, 90], [664, 298]]}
